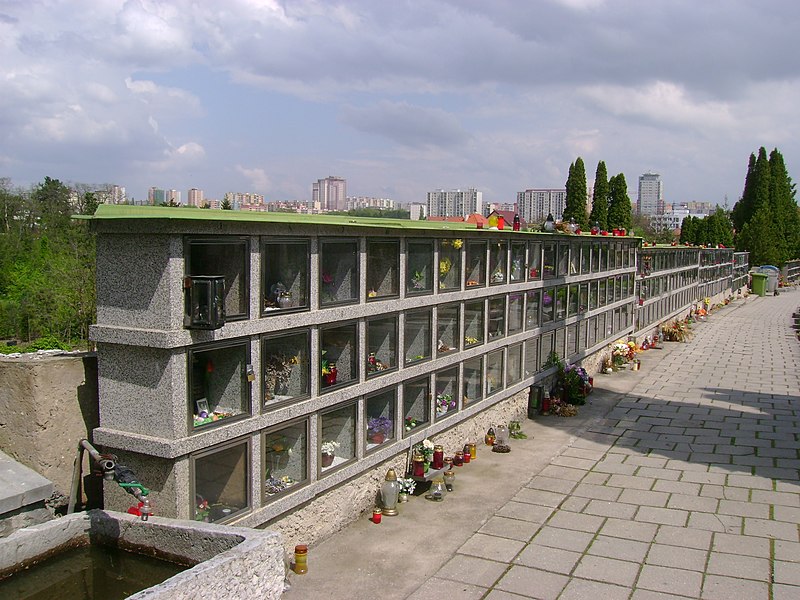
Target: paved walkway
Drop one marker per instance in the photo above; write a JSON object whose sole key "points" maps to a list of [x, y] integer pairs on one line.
{"points": [[688, 487]]}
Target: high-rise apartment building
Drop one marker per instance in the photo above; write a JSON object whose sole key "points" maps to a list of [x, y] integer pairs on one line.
{"points": [[534, 205], [354, 202], [329, 194], [455, 203], [156, 196], [196, 197], [651, 195]]}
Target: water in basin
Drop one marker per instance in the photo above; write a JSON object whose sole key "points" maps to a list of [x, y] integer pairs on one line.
{"points": [[90, 572]]}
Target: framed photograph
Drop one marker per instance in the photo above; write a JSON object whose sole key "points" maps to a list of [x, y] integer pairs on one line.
{"points": [[202, 406]]}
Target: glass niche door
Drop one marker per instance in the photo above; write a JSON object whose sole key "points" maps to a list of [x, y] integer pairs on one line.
{"points": [[337, 442], [446, 392], [380, 418], [416, 403], [420, 273], [220, 482], [285, 458], [285, 277], [286, 366], [383, 269], [338, 274], [219, 383]]}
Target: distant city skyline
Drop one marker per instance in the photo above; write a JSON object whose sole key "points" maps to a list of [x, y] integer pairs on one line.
{"points": [[398, 98]]}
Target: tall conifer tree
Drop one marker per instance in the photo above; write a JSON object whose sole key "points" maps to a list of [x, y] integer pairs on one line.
{"points": [[619, 207], [600, 197], [575, 203]]}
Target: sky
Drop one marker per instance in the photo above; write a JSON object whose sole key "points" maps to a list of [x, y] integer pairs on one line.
{"points": [[399, 97]]}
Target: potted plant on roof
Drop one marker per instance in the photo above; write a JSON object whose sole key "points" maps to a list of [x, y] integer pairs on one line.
{"points": [[378, 428]]}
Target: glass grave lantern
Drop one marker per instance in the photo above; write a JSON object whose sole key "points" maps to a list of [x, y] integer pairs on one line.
{"points": [[205, 301]]}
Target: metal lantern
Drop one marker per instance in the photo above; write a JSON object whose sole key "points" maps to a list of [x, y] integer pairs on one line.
{"points": [[205, 301], [390, 488]]}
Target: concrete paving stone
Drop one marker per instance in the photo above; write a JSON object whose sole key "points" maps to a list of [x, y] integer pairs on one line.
{"points": [[677, 487], [532, 583], [684, 537], [695, 503], [566, 539], [595, 441], [734, 565], [792, 487], [785, 592], [576, 521], [595, 478], [597, 492], [584, 453], [677, 557], [580, 589], [631, 482], [491, 547], [571, 461], [789, 551], [574, 504], [525, 512], [563, 473], [743, 545], [612, 547], [662, 516], [777, 473], [668, 429], [659, 446], [554, 560], [658, 473], [771, 529], [749, 481], [656, 462], [712, 522], [753, 461], [542, 497], [734, 450], [603, 508], [629, 530], [639, 433], [700, 477], [778, 452], [682, 440], [608, 570], [682, 465], [787, 572], [551, 484], [670, 580], [694, 447], [640, 594], [787, 463], [788, 514], [716, 587], [501, 595], [435, 589], [711, 440], [471, 570], [644, 497], [736, 493], [614, 468], [513, 529], [744, 509], [792, 443]]}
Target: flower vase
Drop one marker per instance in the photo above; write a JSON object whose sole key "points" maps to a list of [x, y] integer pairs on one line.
{"points": [[327, 459], [402, 497], [377, 437]]}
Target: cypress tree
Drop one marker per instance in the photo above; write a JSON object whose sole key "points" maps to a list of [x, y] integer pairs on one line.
{"points": [[600, 197], [619, 207], [575, 202], [743, 209], [784, 207]]}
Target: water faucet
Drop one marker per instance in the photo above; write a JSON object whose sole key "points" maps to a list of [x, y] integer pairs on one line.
{"points": [[111, 470]]}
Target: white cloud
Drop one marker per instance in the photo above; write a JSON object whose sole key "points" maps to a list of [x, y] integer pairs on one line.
{"points": [[663, 103], [257, 178]]}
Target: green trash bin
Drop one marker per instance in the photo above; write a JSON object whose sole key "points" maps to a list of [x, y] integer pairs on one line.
{"points": [[759, 283]]}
